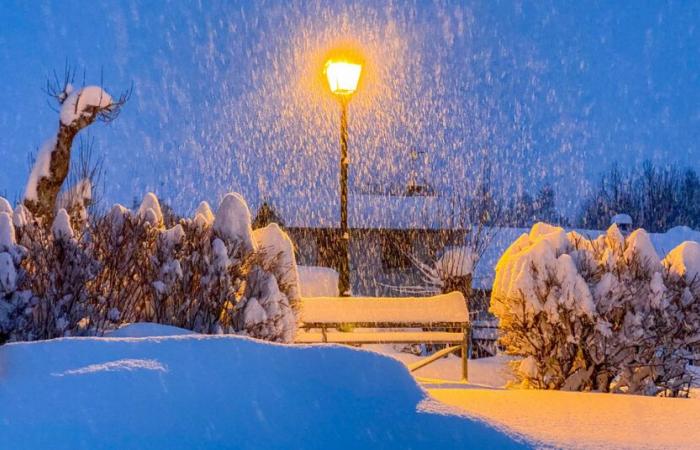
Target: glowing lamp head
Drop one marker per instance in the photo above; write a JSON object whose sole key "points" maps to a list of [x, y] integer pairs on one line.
{"points": [[343, 76]]}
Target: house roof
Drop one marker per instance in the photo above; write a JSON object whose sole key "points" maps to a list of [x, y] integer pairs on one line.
{"points": [[397, 212], [403, 212], [622, 219]]}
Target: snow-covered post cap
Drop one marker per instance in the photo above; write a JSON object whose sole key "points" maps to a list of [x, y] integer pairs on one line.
{"points": [[203, 216], [150, 210], [233, 221], [61, 228]]}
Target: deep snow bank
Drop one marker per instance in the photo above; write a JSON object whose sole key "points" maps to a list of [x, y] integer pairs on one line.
{"points": [[217, 392], [147, 329]]}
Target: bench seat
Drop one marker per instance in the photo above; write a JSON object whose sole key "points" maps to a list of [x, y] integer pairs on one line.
{"points": [[441, 319], [380, 337]]}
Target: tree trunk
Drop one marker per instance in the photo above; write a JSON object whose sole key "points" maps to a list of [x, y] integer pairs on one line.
{"points": [[48, 187]]}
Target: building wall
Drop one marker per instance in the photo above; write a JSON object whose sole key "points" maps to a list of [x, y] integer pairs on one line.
{"points": [[375, 270]]}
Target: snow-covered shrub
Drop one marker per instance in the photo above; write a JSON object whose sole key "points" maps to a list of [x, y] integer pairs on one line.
{"points": [[681, 315], [222, 261], [206, 274], [59, 267], [165, 272], [226, 278], [272, 290], [11, 272], [124, 242], [543, 305], [603, 314]]}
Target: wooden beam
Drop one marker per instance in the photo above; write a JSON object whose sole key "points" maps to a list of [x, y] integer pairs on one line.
{"points": [[432, 358]]}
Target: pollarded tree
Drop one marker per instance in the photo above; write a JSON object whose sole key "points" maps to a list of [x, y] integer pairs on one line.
{"points": [[124, 242], [78, 108]]}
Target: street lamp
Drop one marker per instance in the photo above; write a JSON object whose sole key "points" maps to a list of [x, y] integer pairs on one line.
{"points": [[343, 77]]}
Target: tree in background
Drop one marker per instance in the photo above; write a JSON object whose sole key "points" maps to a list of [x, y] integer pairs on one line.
{"points": [[657, 198], [478, 216], [526, 210], [266, 215]]}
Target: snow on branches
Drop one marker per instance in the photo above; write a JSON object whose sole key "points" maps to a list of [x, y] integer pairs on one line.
{"points": [[11, 256], [272, 292], [604, 314], [78, 108], [210, 274]]}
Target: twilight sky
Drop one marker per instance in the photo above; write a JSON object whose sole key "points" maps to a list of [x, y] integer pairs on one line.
{"points": [[228, 96]]}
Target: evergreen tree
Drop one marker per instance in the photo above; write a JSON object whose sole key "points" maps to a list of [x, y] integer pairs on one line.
{"points": [[265, 216]]}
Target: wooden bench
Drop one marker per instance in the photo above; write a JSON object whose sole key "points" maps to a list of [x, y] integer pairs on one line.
{"points": [[323, 318]]}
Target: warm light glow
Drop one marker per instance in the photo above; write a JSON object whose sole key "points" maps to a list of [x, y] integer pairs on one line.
{"points": [[343, 76]]}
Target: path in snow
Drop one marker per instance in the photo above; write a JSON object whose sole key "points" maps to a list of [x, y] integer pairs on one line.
{"points": [[561, 419], [584, 420]]}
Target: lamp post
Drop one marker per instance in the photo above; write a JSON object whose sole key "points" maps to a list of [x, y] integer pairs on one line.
{"points": [[343, 77]]}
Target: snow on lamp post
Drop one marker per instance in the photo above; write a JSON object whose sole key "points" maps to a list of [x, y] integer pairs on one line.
{"points": [[343, 77]]}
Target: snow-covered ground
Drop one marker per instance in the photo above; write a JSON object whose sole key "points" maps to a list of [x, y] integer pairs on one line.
{"points": [[159, 387], [560, 419], [584, 420], [317, 281], [195, 391]]}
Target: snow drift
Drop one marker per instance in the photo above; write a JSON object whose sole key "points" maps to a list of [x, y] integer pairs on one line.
{"points": [[217, 391]]}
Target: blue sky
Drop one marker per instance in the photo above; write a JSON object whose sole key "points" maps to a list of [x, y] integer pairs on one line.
{"points": [[550, 91]]}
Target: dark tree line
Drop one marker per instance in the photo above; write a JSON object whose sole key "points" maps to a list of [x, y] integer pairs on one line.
{"points": [[526, 209], [657, 198]]}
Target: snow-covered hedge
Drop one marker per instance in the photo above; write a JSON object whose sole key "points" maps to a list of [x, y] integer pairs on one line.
{"points": [[605, 314], [211, 273]]}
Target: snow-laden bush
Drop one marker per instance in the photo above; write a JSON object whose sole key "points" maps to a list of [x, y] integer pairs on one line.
{"points": [[272, 291], [60, 268], [205, 273], [11, 272], [543, 305], [605, 314]]}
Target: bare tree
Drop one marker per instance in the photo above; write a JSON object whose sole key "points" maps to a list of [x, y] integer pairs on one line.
{"points": [[77, 110], [475, 214], [657, 198]]}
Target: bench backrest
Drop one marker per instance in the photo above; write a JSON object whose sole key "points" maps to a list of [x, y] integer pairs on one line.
{"points": [[440, 310]]}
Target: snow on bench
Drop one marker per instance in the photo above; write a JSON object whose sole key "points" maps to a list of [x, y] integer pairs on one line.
{"points": [[433, 315], [445, 310]]}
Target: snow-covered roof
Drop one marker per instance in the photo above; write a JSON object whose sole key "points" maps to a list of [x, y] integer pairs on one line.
{"points": [[503, 237], [622, 219], [398, 212]]}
